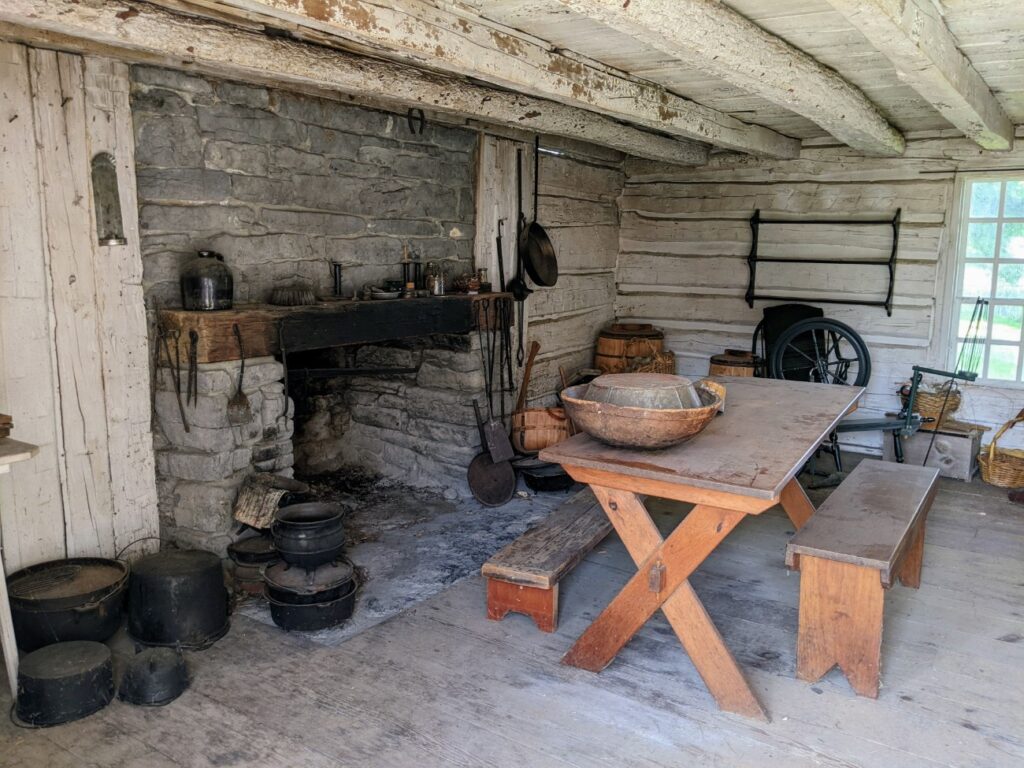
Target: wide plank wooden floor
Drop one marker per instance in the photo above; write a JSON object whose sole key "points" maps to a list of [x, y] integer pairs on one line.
{"points": [[439, 685]]}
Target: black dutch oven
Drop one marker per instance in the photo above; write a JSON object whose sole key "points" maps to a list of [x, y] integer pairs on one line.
{"points": [[178, 598], [80, 598], [154, 677], [64, 682], [309, 535], [307, 601]]}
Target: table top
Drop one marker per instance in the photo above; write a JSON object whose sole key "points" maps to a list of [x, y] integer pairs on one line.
{"points": [[768, 431]]}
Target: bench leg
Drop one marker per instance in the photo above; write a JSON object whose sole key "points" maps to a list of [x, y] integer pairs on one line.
{"points": [[909, 571], [840, 622], [539, 604]]}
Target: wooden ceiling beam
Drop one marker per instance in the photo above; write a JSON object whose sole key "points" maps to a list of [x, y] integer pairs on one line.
{"points": [[711, 37], [913, 35], [435, 36], [142, 32]]}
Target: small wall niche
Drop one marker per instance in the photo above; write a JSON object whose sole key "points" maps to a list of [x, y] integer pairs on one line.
{"points": [[107, 201]]}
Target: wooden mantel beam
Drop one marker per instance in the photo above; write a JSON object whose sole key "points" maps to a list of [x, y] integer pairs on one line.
{"points": [[430, 35], [913, 35], [711, 37], [144, 33]]}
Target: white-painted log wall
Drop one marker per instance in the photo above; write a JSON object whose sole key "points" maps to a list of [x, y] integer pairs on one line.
{"points": [[685, 237], [577, 207], [73, 351]]}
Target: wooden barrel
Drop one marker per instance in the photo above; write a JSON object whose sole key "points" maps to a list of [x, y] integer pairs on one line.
{"points": [[734, 362], [620, 344]]}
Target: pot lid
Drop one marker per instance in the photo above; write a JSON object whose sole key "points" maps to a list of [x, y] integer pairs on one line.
{"points": [[309, 513], [173, 563], [302, 582], [644, 390], [66, 583], [253, 550], [632, 331], [63, 660]]}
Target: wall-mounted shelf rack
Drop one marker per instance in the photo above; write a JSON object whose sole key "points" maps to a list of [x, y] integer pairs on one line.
{"points": [[756, 221]]}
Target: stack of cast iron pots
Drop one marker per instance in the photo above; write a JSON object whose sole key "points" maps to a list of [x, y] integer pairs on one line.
{"points": [[314, 586]]}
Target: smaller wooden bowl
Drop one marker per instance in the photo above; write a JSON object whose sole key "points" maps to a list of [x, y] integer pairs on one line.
{"points": [[645, 428]]}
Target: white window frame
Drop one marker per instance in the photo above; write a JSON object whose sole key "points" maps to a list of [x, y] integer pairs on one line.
{"points": [[959, 241]]}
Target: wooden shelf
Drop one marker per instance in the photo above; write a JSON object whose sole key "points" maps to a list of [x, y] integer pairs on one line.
{"points": [[13, 451], [324, 324]]}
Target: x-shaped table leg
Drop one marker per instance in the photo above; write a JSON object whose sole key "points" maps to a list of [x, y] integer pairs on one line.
{"points": [[664, 565]]}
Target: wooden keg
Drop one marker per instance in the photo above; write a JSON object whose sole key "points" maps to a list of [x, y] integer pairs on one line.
{"points": [[735, 362], [621, 344]]}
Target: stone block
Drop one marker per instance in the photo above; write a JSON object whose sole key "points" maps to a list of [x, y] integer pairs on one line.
{"points": [[161, 101], [305, 222], [461, 362], [234, 157], [173, 79], [386, 418], [436, 376], [210, 379], [207, 507], [248, 125], [244, 95], [197, 219], [167, 141], [200, 466], [182, 184], [208, 412]]}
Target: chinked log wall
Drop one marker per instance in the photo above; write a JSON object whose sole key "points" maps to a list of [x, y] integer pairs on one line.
{"points": [[685, 238]]}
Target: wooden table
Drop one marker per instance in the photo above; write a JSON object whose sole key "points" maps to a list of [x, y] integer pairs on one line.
{"points": [[745, 462]]}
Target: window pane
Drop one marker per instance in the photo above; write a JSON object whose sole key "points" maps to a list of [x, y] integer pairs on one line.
{"points": [[1014, 205], [1012, 244], [977, 280], [1006, 322], [1002, 363], [969, 359], [981, 241], [1010, 282], [985, 199], [980, 325]]}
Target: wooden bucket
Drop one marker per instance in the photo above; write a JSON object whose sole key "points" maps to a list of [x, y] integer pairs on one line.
{"points": [[535, 429], [622, 345], [734, 362]]}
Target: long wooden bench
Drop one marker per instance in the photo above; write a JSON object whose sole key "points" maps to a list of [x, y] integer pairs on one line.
{"points": [[868, 533], [523, 577]]}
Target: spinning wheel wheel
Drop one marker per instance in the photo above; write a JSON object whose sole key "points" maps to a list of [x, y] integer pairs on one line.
{"points": [[821, 350]]}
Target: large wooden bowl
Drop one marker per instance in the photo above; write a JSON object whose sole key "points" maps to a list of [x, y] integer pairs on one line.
{"points": [[645, 428]]}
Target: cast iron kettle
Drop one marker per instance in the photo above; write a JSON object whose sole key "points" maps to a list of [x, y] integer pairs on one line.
{"points": [[207, 283]]}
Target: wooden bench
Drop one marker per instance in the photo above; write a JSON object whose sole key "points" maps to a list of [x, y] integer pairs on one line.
{"points": [[868, 533], [523, 577]]}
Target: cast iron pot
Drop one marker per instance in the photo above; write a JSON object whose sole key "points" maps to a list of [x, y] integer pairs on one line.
{"points": [[178, 598], [64, 682], [154, 677], [549, 478], [313, 616], [292, 585], [309, 535], [80, 598]]}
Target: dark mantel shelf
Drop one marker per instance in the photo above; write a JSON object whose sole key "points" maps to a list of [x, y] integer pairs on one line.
{"points": [[329, 323]]}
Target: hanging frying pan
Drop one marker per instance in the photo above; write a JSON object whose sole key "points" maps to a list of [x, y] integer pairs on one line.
{"points": [[517, 285], [535, 248]]}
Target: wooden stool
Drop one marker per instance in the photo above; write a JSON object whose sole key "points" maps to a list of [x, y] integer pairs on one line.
{"points": [[523, 577], [868, 532]]}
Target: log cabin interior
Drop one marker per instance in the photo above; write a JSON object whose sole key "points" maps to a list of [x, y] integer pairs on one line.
{"points": [[512, 383]]}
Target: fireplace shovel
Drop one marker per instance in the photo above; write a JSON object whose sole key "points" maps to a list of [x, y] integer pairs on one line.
{"points": [[491, 482], [239, 409]]}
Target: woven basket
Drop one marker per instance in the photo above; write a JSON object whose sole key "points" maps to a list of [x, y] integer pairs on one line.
{"points": [[535, 429], [929, 404], [641, 356], [1003, 467]]}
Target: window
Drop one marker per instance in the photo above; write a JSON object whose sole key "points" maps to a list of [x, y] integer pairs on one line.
{"points": [[990, 265]]}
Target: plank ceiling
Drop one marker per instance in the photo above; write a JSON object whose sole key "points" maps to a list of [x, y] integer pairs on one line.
{"points": [[990, 33]]}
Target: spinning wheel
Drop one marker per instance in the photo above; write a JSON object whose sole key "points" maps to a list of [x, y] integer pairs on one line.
{"points": [[821, 350]]}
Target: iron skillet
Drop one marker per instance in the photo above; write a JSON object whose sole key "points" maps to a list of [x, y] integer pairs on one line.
{"points": [[536, 251]]}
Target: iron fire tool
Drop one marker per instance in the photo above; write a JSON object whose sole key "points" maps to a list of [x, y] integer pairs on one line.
{"points": [[192, 393], [495, 437], [176, 370]]}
